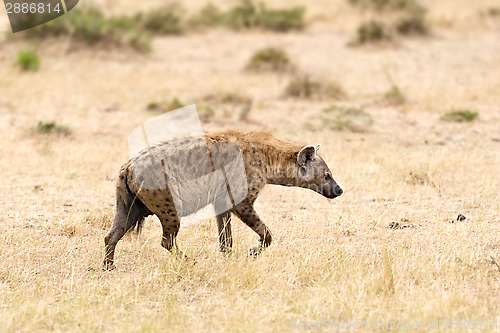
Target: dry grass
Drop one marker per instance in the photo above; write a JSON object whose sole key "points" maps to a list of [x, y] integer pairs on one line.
{"points": [[330, 259]]}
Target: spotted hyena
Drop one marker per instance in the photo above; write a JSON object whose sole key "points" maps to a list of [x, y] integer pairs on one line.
{"points": [[146, 183]]}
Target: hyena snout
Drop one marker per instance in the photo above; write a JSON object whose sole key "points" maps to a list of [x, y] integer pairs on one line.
{"points": [[333, 191]]}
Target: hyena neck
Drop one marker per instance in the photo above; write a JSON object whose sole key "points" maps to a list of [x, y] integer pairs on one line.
{"points": [[281, 167]]}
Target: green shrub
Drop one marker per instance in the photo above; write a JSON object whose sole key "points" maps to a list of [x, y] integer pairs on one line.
{"points": [[384, 5], [248, 15], [269, 59], [413, 23], [372, 31], [394, 96], [28, 60], [303, 87], [494, 11], [52, 128], [209, 15], [164, 106], [88, 24], [282, 20], [165, 21], [346, 119], [460, 115]]}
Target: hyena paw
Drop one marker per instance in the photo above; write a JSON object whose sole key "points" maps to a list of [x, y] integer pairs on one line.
{"points": [[108, 266], [255, 251]]}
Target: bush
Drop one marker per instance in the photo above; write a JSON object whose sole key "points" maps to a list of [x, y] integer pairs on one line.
{"points": [[52, 128], [394, 96], [303, 87], [248, 15], [372, 31], [460, 115], [89, 25], [384, 5], [269, 59], [413, 23], [165, 21], [346, 119], [209, 15], [28, 60], [283, 20], [165, 106]]}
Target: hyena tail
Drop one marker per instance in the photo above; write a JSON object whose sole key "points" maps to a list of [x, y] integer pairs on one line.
{"points": [[129, 206]]}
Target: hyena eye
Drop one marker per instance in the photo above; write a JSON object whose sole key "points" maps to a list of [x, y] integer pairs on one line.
{"points": [[328, 177]]}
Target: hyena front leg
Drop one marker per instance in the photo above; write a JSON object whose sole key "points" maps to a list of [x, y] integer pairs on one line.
{"points": [[248, 215], [225, 236], [170, 225]]}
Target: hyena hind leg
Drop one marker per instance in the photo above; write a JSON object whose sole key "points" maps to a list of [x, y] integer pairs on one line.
{"points": [[125, 219], [224, 228]]}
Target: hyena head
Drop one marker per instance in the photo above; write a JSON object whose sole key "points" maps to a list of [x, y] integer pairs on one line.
{"points": [[314, 174]]}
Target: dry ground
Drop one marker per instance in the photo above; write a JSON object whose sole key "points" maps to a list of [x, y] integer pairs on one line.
{"points": [[333, 260]]}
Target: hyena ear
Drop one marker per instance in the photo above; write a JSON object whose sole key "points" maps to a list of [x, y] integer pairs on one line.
{"points": [[318, 147], [308, 153]]}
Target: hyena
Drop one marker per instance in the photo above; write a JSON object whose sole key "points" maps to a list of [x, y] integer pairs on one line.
{"points": [[146, 186]]}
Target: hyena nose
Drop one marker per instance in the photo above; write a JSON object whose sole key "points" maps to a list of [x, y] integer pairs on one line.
{"points": [[338, 190]]}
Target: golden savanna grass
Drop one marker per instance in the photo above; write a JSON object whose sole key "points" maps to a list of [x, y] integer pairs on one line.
{"points": [[334, 260]]}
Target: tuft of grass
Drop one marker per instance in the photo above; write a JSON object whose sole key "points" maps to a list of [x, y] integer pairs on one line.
{"points": [[164, 21], [372, 31], [210, 15], [164, 106], [249, 15], [385, 5], [394, 96], [494, 11], [282, 20], [413, 23], [28, 60], [346, 119], [304, 87], [460, 116], [52, 128], [269, 59], [419, 178], [89, 25]]}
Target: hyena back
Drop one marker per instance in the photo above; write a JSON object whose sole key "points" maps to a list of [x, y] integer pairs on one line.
{"points": [[147, 185]]}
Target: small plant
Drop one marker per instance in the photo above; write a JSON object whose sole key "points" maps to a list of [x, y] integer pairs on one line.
{"points": [[419, 178], [164, 106], [346, 119], [248, 15], [332, 90], [282, 20], [209, 15], [302, 87], [89, 25], [269, 59], [372, 31], [413, 23], [394, 96], [494, 11], [460, 115], [28, 60], [165, 21], [385, 5], [52, 128]]}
